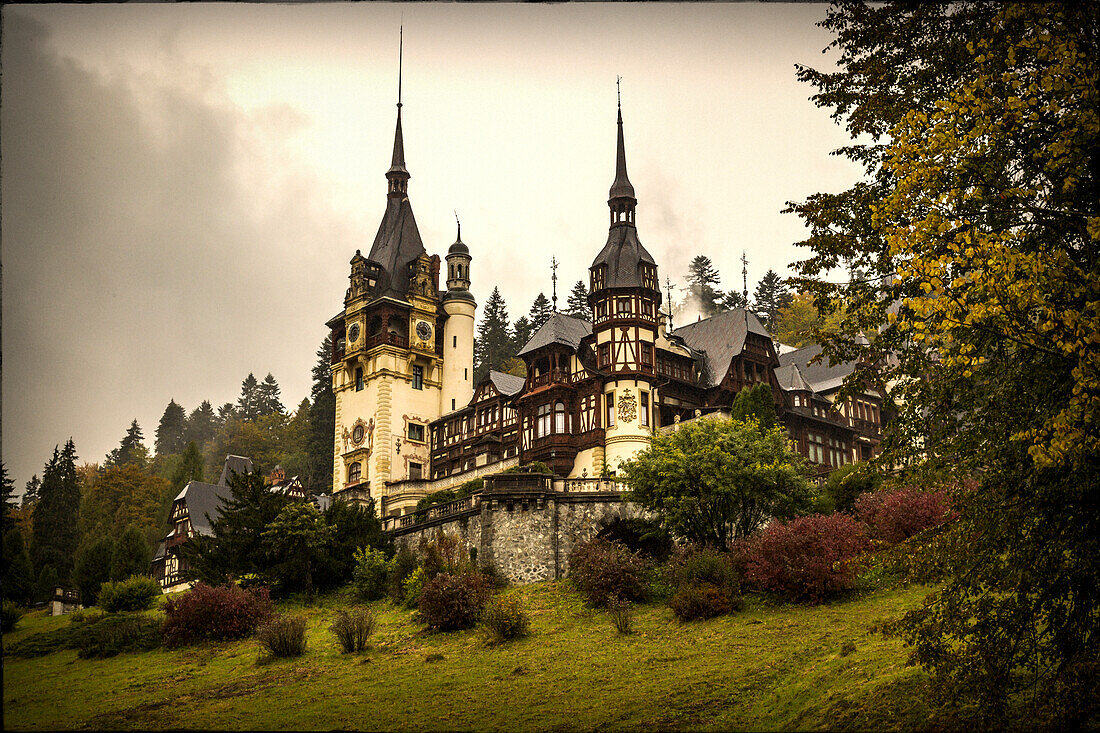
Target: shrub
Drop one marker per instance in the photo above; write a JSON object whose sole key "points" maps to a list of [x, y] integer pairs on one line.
{"points": [[10, 615], [701, 600], [450, 602], [444, 553], [44, 642], [532, 467], [115, 634], [218, 613], [369, 576], [504, 618], [353, 628], [601, 569], [136, 593], [283, 636], [83, 616], [697, 565], [843, 485], [622, 615], [400, 567], [895, 516], [414, 585], [807, 559], [644, 536]]}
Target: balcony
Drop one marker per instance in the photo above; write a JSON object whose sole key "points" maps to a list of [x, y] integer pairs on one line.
{"points": [[388, 338], [554, 376]]}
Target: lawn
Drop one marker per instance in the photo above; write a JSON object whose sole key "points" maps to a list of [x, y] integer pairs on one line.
{"points": [[770, 667]]}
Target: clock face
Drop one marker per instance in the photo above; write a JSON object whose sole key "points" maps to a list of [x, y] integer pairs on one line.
{"points": [[424, 330], [357, 434], [353, 332]]}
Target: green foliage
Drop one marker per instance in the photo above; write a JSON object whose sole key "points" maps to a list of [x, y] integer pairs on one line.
{"points": [[532, 467], [770, 298], [445, 495], [353, 526], [132, 554], [18, 576], [10, 504], [353, 628], [504, 618], [707, 584], [283, 636], [399, 568], [494, 343], [48, 581], [577, 304], [103, 637], [701, 601], [136, 593], [10, 613], [122, 496], [236, 547], [54, 538], [412, 586], [171, 429], [644, 536], [201, 424], [845, 484], [322, 420], [296, 542], [369, 577], [702, 277], [603, 570], [131, 449], [93, 567], [757, 403], [540, 312], [712, 481], [188, 469], [269, 402]]}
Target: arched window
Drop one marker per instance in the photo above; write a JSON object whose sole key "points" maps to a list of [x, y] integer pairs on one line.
{"points": [[559, 417], [354, 472]]}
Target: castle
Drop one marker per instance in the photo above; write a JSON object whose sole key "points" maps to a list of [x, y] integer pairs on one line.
{"points": [[410, 420]]}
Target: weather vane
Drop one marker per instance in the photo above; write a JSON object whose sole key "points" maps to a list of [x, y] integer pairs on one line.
{"points": [[554, 278], [668, 287], [745, 277]]}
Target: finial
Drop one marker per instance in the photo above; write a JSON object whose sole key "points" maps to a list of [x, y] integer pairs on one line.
{"points": [[554, 278], [745, 277], [459, 226], [619, 90], [400, 55], [668, 287]]}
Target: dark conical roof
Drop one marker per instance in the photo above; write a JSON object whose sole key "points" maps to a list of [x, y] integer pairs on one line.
{"points": [[622, 187], [459, 247], [396, 245], [397, 164], [623, 255]]}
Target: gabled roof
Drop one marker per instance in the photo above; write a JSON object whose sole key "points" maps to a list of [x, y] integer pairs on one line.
{"points": [[791, 380], [203, 499], [623, 255], [820, 376], [507, 384], [396, 244], [234, 464], [720, 338], [558, 329]]}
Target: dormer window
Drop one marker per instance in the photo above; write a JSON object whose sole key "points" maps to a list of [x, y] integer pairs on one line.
{"points": [[649, 277], [598, 278]]}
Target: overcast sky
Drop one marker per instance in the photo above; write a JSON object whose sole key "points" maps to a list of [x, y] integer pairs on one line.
{"points": [[184, 184]]}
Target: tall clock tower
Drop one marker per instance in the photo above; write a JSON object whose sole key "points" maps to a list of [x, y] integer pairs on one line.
{"points": [[388, 353]]}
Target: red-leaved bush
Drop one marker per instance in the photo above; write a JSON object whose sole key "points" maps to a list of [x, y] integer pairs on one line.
{"points": [[218, 613], [454, 601], [895, 516], [807, 559], [603, 570]]}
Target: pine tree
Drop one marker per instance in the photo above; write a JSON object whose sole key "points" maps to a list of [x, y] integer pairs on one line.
{"points": [[131, 555], [188, 469], [93, 568], [201, 424], [18, 571], [577, 304], [494, 344], [171, 429], [10, 504], [30, 491], [540, 312], [268, 402], [522, 332], [226, 412], [733, 299], [55, 515], [131, 449], [322, 422], [702, 277], [755, 402], [248, 404], [770, 297]]}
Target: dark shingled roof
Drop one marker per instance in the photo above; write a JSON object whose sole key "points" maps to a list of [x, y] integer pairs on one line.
{"points": [[791, 380], [236, 464], [720, 338], [203, 499], [623, 255], [821, 377], [621, 187], [558, 329], [507, 384], [395, 246]]}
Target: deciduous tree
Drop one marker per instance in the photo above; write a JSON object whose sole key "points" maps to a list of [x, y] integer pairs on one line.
{"points": [[712, 481], [978, 232]]}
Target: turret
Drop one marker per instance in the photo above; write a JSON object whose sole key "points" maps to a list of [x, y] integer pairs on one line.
{"points": [[458, 330]]}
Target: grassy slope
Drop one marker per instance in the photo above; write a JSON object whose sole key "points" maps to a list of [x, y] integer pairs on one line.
{"points": [[767, 668]]}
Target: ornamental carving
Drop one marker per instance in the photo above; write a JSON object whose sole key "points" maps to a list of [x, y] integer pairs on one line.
{"points": [[628, 406], [361, 435]]}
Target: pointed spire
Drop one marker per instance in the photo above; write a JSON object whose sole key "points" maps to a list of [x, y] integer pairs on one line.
{"points": [[621, 188], [398, 175]]}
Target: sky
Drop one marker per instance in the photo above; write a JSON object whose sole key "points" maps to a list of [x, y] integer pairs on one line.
{"points": [[183, 185]]}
